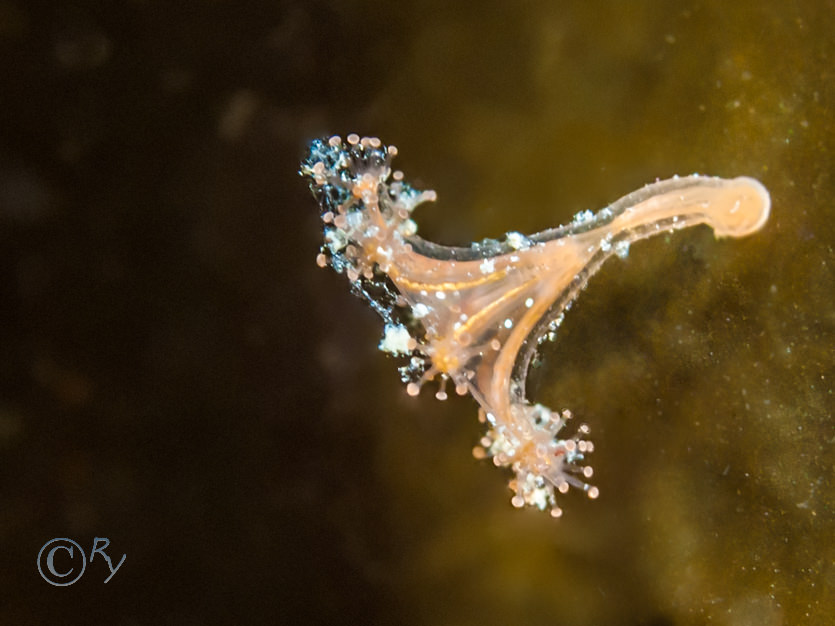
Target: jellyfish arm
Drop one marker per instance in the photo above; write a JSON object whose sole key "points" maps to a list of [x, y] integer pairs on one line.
{"points": [[473, 316]]}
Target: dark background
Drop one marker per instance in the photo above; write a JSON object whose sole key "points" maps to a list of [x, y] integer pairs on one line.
{"points": [[178, 376]]}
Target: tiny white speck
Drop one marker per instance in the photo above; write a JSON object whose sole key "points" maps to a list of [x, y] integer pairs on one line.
{"points": [[396, 340], [517, 241]]}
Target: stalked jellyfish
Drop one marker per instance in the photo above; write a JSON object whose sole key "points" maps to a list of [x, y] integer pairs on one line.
{"points": [[474, 316]]}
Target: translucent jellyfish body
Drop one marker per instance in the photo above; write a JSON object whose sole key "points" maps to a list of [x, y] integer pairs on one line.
{"points": [[473, 316]]}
